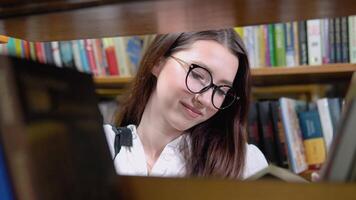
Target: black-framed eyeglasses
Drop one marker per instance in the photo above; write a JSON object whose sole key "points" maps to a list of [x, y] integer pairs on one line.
{"points": [[200, 80]]}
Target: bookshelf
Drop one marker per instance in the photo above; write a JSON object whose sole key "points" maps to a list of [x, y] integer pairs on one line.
{"points": [[265, 76], [66, 20]]}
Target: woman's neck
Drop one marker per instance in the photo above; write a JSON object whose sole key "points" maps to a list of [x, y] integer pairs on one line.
{"points": [[154, 132]]}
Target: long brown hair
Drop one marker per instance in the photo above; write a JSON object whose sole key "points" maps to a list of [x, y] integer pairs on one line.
{"points": [[218, 145]]}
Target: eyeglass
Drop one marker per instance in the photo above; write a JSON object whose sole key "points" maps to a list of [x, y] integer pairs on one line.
{"points": [[200, 80]]}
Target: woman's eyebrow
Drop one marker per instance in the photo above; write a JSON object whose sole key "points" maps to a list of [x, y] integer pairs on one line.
{"points": [[201, 64]]}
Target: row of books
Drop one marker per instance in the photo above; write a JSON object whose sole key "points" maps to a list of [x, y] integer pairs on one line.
{"points": [[311, 42], [101, 57], [293, 133]]}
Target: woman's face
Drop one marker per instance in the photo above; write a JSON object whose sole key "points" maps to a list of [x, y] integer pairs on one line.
{"points": [[178, 107]]}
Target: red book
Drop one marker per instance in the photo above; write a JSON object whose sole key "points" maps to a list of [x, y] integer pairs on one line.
{"points": [[90, 54], [111, 59], [26, 48], [39, 52]]}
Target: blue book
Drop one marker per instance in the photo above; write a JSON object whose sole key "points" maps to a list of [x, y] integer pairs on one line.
{"points": [[314, 144], [83, 56], [6, 192], [65, 48], [134, 51]]}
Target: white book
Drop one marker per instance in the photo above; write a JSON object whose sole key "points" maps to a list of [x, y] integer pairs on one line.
{"points": [[56, 53], [76, 55], [314, 42], [352, 38], [272, 172], [122, 57], [289, 40], [324, 34], [256, 46], [294, 139], [248, 40], [326, 123]]}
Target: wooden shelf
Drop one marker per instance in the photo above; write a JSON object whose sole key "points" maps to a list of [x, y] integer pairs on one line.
{"points": [[208, 189], [49, 20], [329, 73], [266, 76]]}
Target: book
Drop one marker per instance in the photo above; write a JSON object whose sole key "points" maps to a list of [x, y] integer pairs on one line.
{"points": [[279, 134], [52, 133], [289, 39], [266, 131], [352, 38], [303, 45], [272, 172], [296, 152], [325, 119], [315, 152], [280, 49], [314, 42]]}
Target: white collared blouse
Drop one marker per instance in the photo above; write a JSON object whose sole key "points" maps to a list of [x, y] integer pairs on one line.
{"points": [[132, 160]]}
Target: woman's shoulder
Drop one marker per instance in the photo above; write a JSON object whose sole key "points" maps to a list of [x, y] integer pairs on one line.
{"points": [[254, 161]]}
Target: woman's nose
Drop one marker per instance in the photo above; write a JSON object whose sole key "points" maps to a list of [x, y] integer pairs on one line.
{"points": [[204, 98]]}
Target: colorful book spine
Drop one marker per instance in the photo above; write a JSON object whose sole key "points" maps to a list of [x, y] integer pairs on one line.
{"points": [[303, 43], [48, 52], [248, 40], [56, 54], [271, 46], [332, 53], [314, 42], [296, 43], [39, 52], [76, 56], [266, 131], [313, 140], [111, 57], [280, 52], [18, 48], [344, 40], [120, 44], [134, 52], [296, 152], [66, 52], [352, 38], [324, 34], [289, 43], [262, 38], [279, 134], [6, 192], [90, 55], [326, 123], [338, 43], [256, 45], [83, 56], [253, 134]]}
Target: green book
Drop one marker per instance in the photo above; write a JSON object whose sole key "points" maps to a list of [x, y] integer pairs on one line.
{"points": [[280, 50]]}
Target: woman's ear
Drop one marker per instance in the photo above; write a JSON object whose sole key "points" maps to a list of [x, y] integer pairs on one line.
{"points": [[156, 70]]}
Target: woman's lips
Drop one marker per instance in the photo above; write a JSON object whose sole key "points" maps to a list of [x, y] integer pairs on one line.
{"points": [[192, 112]]}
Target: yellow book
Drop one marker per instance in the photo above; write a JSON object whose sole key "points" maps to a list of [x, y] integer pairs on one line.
{"points": [[315, 151], [240, 31]]}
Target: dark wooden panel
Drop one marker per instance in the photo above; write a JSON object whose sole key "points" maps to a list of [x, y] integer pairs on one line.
{"points": [[153, 16], [211, 189]]}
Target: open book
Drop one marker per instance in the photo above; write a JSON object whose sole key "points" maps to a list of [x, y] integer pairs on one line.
{"points": [[277, 173]]}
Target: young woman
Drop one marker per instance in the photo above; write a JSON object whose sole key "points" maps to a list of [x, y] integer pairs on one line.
{"points": [[188, 108]]}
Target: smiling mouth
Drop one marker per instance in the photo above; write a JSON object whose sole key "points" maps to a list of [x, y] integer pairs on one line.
{"points": [[192, 112]]}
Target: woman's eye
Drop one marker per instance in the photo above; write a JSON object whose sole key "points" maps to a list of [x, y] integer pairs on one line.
{"points": [[221, 92], [197, 76]]}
